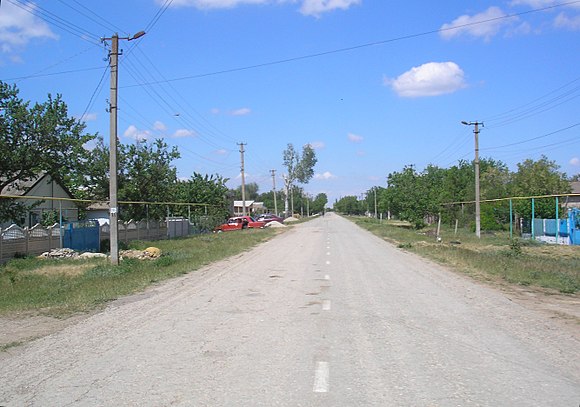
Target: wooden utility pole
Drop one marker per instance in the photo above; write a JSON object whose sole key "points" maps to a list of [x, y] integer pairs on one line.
{"points": [[243, 179], [476, 164], [273, 172]]}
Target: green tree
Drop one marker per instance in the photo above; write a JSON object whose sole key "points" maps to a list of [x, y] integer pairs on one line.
{"points": [[208, 192], [349, 205], [541, 177], [299, 168], [146, 175], [35, 139], [318, 205], [251, 191]]}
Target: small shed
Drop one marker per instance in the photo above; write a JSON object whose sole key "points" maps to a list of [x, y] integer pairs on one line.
{"points": [[252, 208]]}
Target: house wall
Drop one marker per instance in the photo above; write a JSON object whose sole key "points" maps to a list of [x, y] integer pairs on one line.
{"points": [[46, 187]]}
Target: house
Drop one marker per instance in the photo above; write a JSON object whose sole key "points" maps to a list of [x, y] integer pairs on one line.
{"points": [[252, 208], [28, 193], [573, 201]]}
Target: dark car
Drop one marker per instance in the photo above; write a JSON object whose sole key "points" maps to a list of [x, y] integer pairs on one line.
{"points": [[268, 217]]}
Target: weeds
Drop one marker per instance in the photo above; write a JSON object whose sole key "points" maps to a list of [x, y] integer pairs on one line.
{"points": [[50, 286], [515, 261]]}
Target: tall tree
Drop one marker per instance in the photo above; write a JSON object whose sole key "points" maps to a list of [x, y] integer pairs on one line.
{"points": [[541, 177], [35, 139], [146, 176], [319, 203], [299, 168]]}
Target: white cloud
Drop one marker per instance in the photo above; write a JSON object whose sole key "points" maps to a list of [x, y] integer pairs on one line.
{"points": [[317, 7], [541, 3], [159, 126], [430, 79], [221, 151], [215, 110], [241, 112], [355, 138], [325, 175], [209, 4], [18, 27], [308, 7], [136, 134], [181, 133], [317, 145], [468, 25], [569, 23], [89, 117], [575, 162]]}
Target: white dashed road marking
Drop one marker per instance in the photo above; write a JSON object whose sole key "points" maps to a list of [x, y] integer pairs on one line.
{"points": [[321, 376], [326, 305]]}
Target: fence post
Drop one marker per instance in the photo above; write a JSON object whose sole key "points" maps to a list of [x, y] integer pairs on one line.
{"points": [[26, 237], [1, 241], [557, 221], [533, 216], [511, 220]]}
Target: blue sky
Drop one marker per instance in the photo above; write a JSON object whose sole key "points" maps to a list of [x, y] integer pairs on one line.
{"points": [[372, 85]]}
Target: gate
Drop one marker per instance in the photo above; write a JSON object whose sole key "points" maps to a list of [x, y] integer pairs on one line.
{"points": [[82, 236]]}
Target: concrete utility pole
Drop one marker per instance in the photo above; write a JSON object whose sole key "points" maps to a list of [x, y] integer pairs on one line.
{"points": [[243, 179], [375, 189], [273, 172], [476, 164], [113, 204]]}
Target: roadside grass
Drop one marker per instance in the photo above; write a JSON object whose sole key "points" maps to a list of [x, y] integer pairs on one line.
{"points": [[492, 258], [60, 287]]}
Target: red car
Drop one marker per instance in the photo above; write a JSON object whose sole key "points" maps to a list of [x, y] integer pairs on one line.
{"points": [[239, 222], [268, 217]]}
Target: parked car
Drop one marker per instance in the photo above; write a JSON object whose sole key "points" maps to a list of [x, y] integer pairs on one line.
{"points": [[239, 222], [268, 217]]}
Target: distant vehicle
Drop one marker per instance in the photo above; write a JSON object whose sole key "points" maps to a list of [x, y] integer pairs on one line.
{"points": [[268, 217], [239, 222]]}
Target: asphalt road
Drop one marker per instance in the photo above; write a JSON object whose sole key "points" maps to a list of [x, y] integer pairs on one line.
{"points": [[323, 315]]}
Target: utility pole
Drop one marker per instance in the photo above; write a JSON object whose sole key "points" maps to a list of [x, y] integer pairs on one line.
{"points": [[243, 179], [113, 204], [476, 164], [273, 172], [375, 189]]}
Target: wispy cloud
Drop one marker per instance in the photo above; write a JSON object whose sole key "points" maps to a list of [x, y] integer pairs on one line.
{"points": [[182, 133], [575, 162], [569, 23], [307, 7], [89, 117], [134, 133], [244, 111], [19, 26], [483, 25], [317, 145], [430, 79], [354, 138], [159, 126], [317, 7], [324, 176]]}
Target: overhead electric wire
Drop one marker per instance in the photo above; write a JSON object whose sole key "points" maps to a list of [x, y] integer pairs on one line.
{"points": [[39, 73], [52, 18], [355, 47], [52, 74], [103, 22], [95, 92], [532, 139]]}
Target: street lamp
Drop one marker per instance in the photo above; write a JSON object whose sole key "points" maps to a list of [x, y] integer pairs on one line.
{"points": [[476, 164], [113, 204]]}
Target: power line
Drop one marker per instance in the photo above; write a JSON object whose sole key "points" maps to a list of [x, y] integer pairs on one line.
{"points": [[533, 138], [356, 47], [97, 90], [50, 17], [101, 21]]}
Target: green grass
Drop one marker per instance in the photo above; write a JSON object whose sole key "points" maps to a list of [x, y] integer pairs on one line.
{"points": [[65, 286], [493, 258]]}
